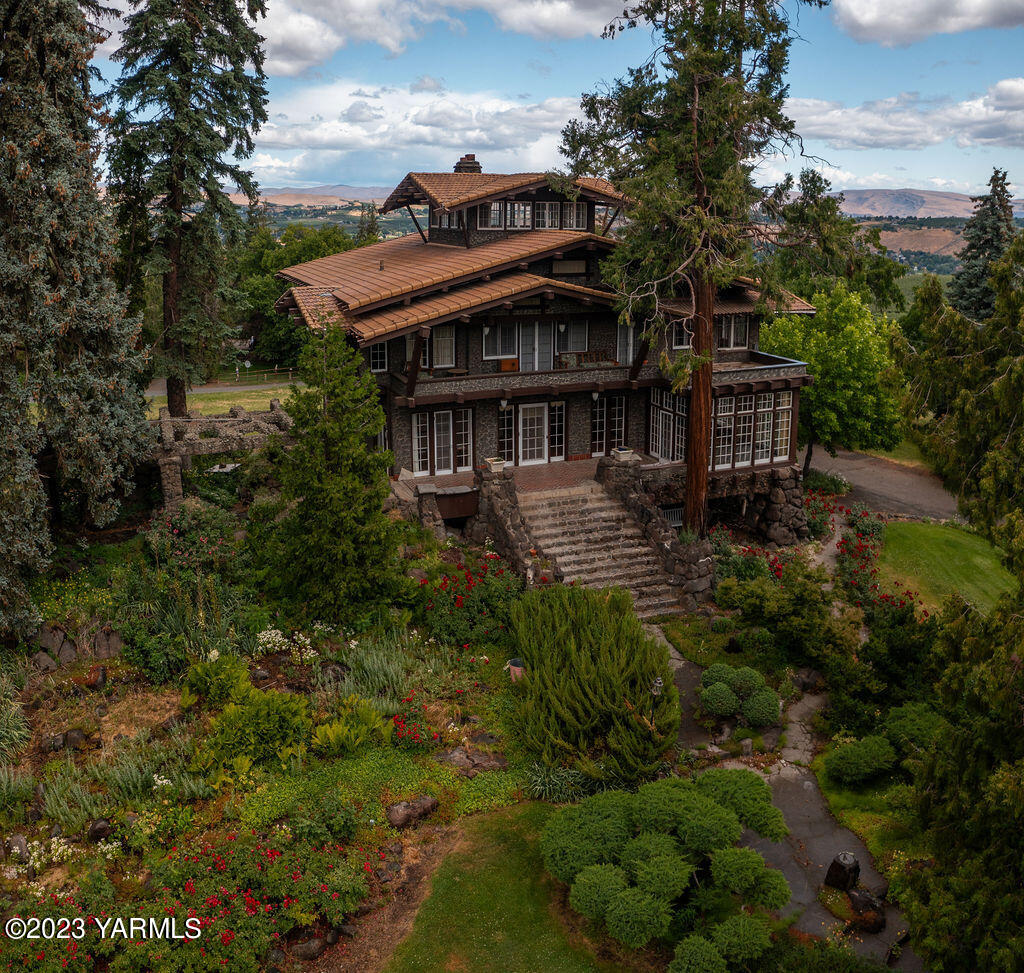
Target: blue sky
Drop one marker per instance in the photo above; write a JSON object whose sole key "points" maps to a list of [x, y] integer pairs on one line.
{"points": [[925, 94]]}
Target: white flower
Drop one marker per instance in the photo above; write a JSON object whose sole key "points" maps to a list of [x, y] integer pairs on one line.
{"points": [[213, 656], [159, 781]]}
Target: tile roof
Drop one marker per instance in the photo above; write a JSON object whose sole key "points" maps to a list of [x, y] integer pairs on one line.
{"points": [[318, 308], [391, 270], [453, 189]]}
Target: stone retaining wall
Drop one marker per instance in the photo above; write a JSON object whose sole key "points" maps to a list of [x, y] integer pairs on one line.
{"points": [[690, 567]]}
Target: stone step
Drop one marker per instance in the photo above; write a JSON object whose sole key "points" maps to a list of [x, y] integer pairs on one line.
{"points": [[571, 509], [591, 562], [637, 584], [592, 536]]}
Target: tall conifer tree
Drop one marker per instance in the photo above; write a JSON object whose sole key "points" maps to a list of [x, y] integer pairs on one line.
{"points": [[987, 235], [680, 136], [190, 97], [69, 392]]}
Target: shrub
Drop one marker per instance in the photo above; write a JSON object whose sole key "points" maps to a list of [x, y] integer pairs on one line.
{"points": [[557, 785], [771, 890], [716, 672], [719, 700], [16, 790], [592, 832], [855, 763], [595, 886], [820, 509], [825, 483], [634, 918], [217, 682], [913, 727], [664, 876], [358, 723], [756, 641], [722, 624], [736, 869], [650, 844], [197, 536], [708, 826], [761, 709], [585, 652], [744, 681], [162, 656], [696, 955], [741, 938], [375, 670], [749, 796], [260, 726], [662, 805]]}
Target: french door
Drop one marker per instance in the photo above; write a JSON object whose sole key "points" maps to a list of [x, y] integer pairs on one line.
{"points": [[535, 347], [533, 434]]}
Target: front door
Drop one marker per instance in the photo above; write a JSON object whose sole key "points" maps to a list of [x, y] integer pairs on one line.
{"points": [[533, 434]]}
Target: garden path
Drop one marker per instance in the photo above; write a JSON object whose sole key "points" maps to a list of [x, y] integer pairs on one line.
{"points": [[686, 676]]}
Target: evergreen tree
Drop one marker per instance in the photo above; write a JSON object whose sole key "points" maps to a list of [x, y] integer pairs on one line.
{"points": [[853, 402], [987, 235], [328, 547], [678, 135], [368, 230], [190, 96], [68, 369]]}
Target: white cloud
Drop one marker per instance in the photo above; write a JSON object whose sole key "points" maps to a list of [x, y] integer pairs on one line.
{"points": [[906, 21], [906, 121], [426, 82]]}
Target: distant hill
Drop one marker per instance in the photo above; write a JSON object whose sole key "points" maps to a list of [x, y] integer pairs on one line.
{"points": [[922, 203]]}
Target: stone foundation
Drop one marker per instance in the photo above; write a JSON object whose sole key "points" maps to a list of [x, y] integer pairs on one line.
{"points": [[690, 567]]}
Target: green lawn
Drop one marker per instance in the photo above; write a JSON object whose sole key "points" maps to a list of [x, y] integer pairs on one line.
{"points": [[212, 403], [907, 453], [489, 908], [936, 560]]}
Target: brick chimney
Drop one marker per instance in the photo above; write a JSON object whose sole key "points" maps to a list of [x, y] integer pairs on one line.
{"points": [[468, 163]]}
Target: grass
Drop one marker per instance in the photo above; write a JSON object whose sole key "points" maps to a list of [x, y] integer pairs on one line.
{"points": [[936, 560], [910, 281], [212, 403], [693, 639], [907, 453], [490, 906]]}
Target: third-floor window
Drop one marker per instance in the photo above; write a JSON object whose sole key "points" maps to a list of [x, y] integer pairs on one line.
{"points": [[546, 216], [520, 216], [574, 216]]}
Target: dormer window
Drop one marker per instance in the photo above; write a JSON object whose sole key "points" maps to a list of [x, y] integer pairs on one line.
{"points": [[491, 216], [546, 216], [520, 216], [574, 216]]}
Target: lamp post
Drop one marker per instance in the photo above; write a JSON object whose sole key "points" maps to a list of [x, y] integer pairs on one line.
{"points": [[656, 687]]}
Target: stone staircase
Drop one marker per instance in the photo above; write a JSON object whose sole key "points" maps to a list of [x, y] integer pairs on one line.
{"points": [[594, 541]]}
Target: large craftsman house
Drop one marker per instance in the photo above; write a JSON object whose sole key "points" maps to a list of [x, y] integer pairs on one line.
{"points": [[492, 336], [494, 339]]}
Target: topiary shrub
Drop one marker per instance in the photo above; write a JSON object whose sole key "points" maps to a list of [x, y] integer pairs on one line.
{"points": [[595, 886], [665, 876], [696, 955], [716, 672], [592, 832], [634, 918], [708, 826], [719, 700], [650, 844], [736, 869], [855, 763], [761, 709], [741, 938], [661, 805], [744, 681], [749, 796]]}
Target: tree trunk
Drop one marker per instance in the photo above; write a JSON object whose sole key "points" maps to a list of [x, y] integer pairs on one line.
{"points": [[698, 439], [807, 457], [176, 386]]}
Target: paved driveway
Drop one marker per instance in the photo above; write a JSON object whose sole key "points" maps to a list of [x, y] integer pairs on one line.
{"points": [[887, 486]]}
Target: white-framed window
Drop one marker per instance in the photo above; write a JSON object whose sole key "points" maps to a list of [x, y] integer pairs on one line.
{"points": [[574, 216], [379, 357], [624, 350], [599, 427], [763, 428], [420, 443], [545, 216], [442, 338], [556, 431], [463, 440], [410, 347], [783, 424], [682, 336], [744, 439], [668, 425], [731, 331], [616, 421], [500, 341], [435, 215], [444, 455], [570, 336], [491, 216], [535, 346], [520, 216]]}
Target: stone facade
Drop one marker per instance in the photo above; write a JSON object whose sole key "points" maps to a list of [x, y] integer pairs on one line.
{"points": [[690, 567]]}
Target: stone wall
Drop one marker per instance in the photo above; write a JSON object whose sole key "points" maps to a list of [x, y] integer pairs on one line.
{"points": [[690, 567]]}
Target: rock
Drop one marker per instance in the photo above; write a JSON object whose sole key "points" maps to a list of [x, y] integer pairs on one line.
{"points": [[131, 819], [99, 830], [101, 710], [75, 739], [869, 908], [96, 678], [57, 742], [747, 746], [309, 948], [40, 793], [107, 644], [895, 949], [56, 831], [171, 722], [50, 638], [844, 871], [259, 675], [404, 813], [363, 909], [18, 847], [347, 930], [470, 763], [67, 654], [416, 574], [274, 957], [44, 662]]}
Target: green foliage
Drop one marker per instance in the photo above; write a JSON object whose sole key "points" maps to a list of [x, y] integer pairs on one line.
{"points": [[664, 876], [716, 672], [696, 955], [745, 681], [857, 762], [731, 690], [761, 709], [634, 918], [828, 483], [196, 536], [594, 887], [719, 699], [741, 939], [853, 402], [16, 791], [70, 368], [374, 668], [257, 728], [218, 682], [913, 727], [586, 697], [644, 847], [358, 724], [332, 551], [592, 832], [986, 236], [663, 804], [14, 729], [557, 785], [742, 871], [749, 796], [708, 826]]}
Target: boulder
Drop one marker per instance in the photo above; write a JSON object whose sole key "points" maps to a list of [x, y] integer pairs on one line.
{"points": [[869, 908], [844, 871], [404, 813], [44, 662], [17, 847], [57, 742], [347, 929], [309, 948], [50, 638], [67, 654], [469, 763], [747, 747], [99, 830], [106, 644], [75, 739]]}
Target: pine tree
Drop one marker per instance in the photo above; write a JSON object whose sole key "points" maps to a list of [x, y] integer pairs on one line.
{"points": [[368, 230], [187, 105], [678, 136], [69, 391], [987, 235]]}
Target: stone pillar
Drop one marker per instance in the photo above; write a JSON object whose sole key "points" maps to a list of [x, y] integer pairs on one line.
{"points": [[429, 513], [777, 510], [170, 480]]}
